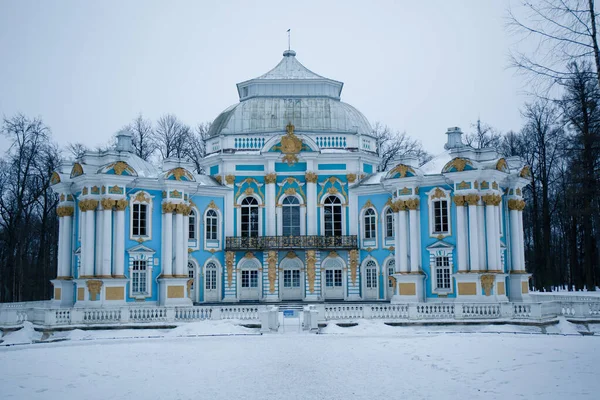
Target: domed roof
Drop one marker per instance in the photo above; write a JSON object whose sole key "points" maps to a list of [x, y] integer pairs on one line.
{"points": [[290, 93]]}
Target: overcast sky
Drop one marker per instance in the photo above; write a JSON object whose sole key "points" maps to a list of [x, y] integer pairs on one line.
{"points": [[89, 67]]}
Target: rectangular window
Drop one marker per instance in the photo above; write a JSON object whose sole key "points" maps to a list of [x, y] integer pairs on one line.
{"points": [[192, 227], [140, 219], [138, 278], [249, 279], [442, 274], [440, 215], [389, 225]]}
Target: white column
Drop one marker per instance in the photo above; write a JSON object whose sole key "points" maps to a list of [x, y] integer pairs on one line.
{"points": [[106, 239], [521, 240], [515, 237], [311, 205], [98, 246], [178, 246], [61, 247], [482, 238], [67, 227], [491, 235], [461, 238], [82, 231], [88, 242], [414, 241], [229, 207], [270, 204], [167, 248], [184, 242], [119, 240], [473, 232], [497, 211]]}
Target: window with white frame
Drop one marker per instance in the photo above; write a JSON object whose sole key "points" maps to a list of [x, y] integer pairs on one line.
{"points": [[141, 216], [291, 278], [211, 224], [192, 225], [371, 274], [139, 279], [211, 276], [191, 274], [290, 216], [332, 214], [333, 278], [249, 278], [391, 269], [440, 216], [389, 223], [370, 224], [442, 273], [249, 220]]}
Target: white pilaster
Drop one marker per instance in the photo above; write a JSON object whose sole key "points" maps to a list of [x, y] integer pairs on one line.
{"points": [[482, 238], [67, 246], [98, 246], [167, 249], [270, 204], [179, 265], [515, 237], [61, 247], [229, 207], [473, 236], [402, 240], [106, 243], [414, 241], [311, 209], [184, 242], [491, 236], [119, 241], [88, 242], [521, 241]]}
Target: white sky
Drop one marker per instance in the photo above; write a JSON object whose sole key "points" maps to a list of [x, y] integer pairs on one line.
{"points": [[88, 68]]}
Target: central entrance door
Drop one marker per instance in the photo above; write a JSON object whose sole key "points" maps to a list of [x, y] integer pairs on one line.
{"points": [[291, 279], [371, 287], [333, 289], [249, 280]]}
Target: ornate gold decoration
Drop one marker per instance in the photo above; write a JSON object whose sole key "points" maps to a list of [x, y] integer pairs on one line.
{"points": [[369, 249], [332, 190], [115, 190], [459, 164], [84, 191], [487, 283], [485, 185], [514, 204], [399, 205], [368, 204], [402, 170], [495, 185], [120, 167], [249, 255], [353, 265], [440, 237], [290, 145], [219, 179], [463, 185], [471, 199], [65, 211], [140, 240], [230, 179], [212, 205], [417, 190], [107, 204], [291, 254], [182, 208], [95, 190], [518, 192], [311, 260], [141, 197], [76, 170], [459, 200], [491, 199], [311, 177], [351, 178], [54, 178], [179, 173], [272, 274], [103, 189], [249, 191], [121, 205], [94, 288], [412, 204], [476, 185], [525, 172], [229, 256], [333, 254], [190, 250], [62, 197], [501, 165], [88, 205], [271, 178], [405, 191], [290, 191], [438, 194]]}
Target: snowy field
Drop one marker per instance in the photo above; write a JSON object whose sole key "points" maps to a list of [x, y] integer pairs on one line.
{"points": [[369, 361]]}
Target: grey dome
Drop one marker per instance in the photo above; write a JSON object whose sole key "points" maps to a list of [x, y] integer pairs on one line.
{"points": [[290, 93]]}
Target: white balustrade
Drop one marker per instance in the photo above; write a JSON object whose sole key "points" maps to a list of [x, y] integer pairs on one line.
{"points": [[148, 314], [343, 311], [390, 311], [240, 312], [193, 313], [102, 316], [480, 311], [435, 311]]}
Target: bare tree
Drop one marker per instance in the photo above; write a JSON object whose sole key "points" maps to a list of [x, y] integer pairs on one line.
{"points": [[172, 137], [143, 138], [484, 136], [393, 144], [559, 32], [197, 148], [76, 150]]}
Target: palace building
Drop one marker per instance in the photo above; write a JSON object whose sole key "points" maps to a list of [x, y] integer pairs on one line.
{"points": [[292, 208]]}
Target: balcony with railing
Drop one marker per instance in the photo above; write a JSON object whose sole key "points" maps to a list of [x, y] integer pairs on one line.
{"points": [[291, 243]]}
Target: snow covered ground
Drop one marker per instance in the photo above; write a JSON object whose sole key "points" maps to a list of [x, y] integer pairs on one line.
{"points": [[369, 361]]}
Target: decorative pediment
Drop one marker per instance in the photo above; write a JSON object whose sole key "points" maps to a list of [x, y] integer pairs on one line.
{"points": [[118, 168], [77, 170], [54, 178], [501, 165], [458, 164], [401, 171], [140, 248], [180, 174], [440, 245]]}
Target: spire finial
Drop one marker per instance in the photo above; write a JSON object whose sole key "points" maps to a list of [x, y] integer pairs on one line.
{"points": [[289, 39]]}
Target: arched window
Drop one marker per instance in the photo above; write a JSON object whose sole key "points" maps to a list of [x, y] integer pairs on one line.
{"points": [[211, 225], [371, 272], [249, 218], [291, 216], [192, 224], [191, 275], [211, 276], [369, 219], [332, 210], [389, 223], [391, 266]]}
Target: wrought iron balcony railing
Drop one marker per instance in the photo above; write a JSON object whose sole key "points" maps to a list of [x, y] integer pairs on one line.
{"points": [[291, 242]]}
